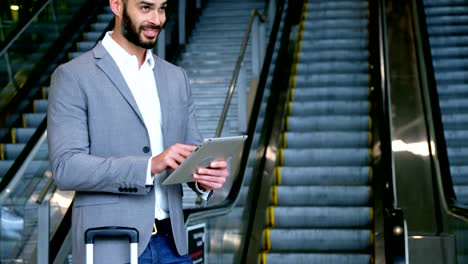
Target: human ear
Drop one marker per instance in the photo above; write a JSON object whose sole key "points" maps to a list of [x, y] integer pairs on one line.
{"points": [[116, 7]]}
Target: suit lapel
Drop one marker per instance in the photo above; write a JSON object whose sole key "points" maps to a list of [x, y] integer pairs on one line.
{"points": [[163, 95], [109, 67]]}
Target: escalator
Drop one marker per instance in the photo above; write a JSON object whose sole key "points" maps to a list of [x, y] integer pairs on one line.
{"points": [[447, 28], [32, 36], [24, 166], [321, 207], [34, 112]]}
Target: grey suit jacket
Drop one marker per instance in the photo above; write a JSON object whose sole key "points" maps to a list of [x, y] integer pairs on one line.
{"points": [[99, 144]]}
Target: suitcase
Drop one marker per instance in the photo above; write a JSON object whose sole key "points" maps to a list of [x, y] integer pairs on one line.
{"points": [[111, 232]]}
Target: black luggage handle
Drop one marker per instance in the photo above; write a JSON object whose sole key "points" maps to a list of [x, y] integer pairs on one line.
{"points": [[111, 232]]}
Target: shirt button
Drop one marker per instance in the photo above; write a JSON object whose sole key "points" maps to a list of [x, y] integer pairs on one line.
{"points": [[146, 149]]}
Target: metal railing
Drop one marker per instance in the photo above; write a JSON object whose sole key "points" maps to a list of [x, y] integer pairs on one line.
{"points": [[258, 51]]}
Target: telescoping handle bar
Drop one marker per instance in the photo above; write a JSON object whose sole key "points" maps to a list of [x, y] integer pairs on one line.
{"points": [[111, 232]]}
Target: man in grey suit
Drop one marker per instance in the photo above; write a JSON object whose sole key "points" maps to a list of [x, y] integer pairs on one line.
{"points": [[118, 119]]}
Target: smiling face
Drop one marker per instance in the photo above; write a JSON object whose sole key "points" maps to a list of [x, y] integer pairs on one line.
{"points": [[138, 24], [142, 20]]}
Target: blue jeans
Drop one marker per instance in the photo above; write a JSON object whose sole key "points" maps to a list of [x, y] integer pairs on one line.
{"points": [[161, 250]]}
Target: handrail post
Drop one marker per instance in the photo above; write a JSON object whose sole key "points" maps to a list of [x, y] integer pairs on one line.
{"points": [[262, 43], [242, 100], [271, 12], [43, 221], [10, 70], [43, 229], [182, 7], [255, 48], [54, 16]]}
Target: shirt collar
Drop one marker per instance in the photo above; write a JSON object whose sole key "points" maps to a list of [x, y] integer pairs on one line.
{"points": [[120, 55]]}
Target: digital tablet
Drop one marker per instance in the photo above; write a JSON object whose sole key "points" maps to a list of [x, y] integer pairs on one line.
{"points": [[222, 148]]}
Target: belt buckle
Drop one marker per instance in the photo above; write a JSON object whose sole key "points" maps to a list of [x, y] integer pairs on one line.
{"points": [[155, 230]]}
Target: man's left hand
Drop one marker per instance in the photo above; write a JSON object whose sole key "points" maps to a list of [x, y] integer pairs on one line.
{"points": [[212, 177]]}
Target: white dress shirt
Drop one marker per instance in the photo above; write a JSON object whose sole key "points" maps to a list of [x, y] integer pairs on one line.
{"points": [[142, 84]]}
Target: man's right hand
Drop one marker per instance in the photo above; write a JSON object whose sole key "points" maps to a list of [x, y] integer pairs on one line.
{"points": [[171, 158]]}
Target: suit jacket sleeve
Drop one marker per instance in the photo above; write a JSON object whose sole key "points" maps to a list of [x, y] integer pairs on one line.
{"points": [[69, 148]]}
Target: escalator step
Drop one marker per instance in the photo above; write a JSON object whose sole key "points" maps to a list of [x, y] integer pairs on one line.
{"points": [[92, 36], [100, 26], [35, 169], [324, 240], [22, 135], [456, 137], [325, 157], [328, 123], [326, 139], [335, 55], [33, 119], [83, 46], [321, 195], [106, 17], [336, 5], [306, 258], [457, 155], [318, 217], [327, 67], [452, 91], [332, 79], [334, 44], [323, 175], [329, 108], [334, 93], [11, 151], [40, 106]]}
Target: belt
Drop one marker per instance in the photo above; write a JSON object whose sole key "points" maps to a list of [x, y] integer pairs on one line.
{"points": [[162, 226]]}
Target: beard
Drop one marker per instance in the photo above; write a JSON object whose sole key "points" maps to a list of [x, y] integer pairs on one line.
{"points": [[132, 32]]}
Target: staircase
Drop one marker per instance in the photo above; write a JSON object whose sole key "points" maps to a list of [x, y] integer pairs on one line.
{"points": [[209, 60], [210, 57], [321, 208], [447, 26]]}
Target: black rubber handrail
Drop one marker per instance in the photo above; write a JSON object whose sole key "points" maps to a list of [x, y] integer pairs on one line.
{"points": [[262, 175]]}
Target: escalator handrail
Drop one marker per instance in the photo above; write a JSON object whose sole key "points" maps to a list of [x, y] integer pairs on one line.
{"points": [[198, 214], [395, 233], [227, 102], [13, 36]]}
